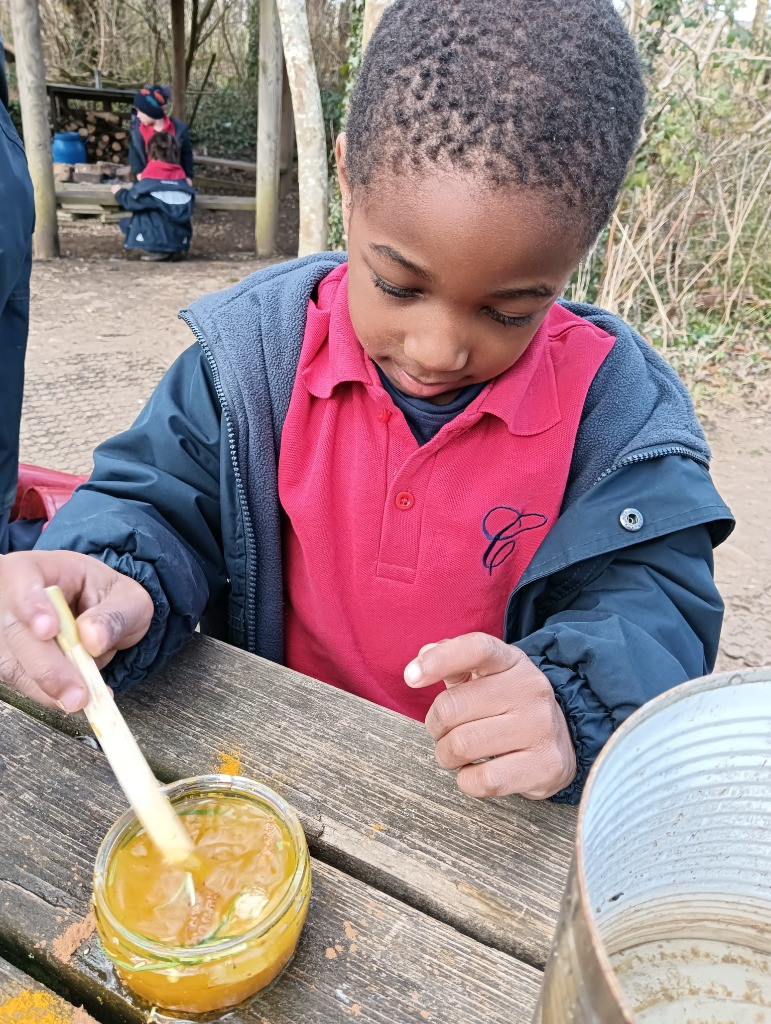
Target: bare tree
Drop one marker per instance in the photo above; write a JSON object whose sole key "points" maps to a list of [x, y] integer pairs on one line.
{"points": [[25, 19], [309, 125], [373, 11], [179, 66], [268, 129], [759, 20]]}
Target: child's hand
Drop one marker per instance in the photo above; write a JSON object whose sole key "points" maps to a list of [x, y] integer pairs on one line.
{"points": [[498, 705], [116, 188], [113, 612]]}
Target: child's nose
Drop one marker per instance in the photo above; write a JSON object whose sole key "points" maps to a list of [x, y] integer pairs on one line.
{"points": [[438, 347]]}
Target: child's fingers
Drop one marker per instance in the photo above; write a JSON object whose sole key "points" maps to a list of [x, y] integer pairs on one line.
{"points": [[119, 620], [11, 672], [28, 624], [458, 659], [533, 773], [42, 663], [480, 739], [452, 680], [104, 659], [490, 696], [22, 595]]}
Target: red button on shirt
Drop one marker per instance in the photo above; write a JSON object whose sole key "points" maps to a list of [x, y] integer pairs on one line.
{"points": [[367, 587]]}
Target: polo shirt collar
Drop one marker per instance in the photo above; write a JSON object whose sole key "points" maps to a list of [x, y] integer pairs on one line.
{"points": [[336, 354], [525, 396]]}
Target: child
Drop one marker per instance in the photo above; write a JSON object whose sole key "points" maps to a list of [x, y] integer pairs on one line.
{"points": [[161, 203], [150, 106], [418, 457]]}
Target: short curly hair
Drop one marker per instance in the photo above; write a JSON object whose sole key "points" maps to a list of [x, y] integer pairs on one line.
{"points": [[537, 94]]}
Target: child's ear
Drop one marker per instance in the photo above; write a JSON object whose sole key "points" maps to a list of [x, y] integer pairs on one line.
{"points": [[341, 147]]}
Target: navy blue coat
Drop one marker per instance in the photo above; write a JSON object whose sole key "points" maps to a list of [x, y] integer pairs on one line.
{"points": [[162, 215], [17, 222], [615, 608], [137, 154]]}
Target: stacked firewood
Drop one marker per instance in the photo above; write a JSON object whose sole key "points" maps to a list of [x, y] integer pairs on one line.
{"points": [[104, 133]]}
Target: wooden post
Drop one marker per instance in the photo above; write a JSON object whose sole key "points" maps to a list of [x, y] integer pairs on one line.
{"points": [[268, 129], [373, 10], [30, 69], [179, 76], [309, 125]]}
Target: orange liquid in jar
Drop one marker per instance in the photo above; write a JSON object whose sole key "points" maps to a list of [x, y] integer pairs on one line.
{"points": [[205, 938]]}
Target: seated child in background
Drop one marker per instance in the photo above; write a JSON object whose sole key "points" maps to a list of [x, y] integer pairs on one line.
{"points": [[161, 202], [149, 116], [416, 465]]}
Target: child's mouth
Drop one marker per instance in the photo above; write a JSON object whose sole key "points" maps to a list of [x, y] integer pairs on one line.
{"points": [[422, 389]]}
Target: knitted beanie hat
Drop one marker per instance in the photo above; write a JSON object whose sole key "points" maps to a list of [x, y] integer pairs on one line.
{"points": [[151, 101]]}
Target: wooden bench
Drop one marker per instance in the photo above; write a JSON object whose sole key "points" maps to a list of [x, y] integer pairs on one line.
{"points": [[101, 195]]}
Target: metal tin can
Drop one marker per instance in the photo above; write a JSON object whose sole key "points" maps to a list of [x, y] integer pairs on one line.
{"points": [[667, 912]]}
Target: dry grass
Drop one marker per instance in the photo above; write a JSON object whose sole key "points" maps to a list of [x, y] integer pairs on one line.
{"points": [[686, 257]]}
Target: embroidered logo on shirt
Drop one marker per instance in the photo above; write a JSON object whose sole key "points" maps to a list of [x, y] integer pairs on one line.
{"points": [[502, 526]]}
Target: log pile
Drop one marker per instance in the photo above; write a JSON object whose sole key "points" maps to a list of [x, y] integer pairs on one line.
{"points": [[104, 133], [92, 174]]}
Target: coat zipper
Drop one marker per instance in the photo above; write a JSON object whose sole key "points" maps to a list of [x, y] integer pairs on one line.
{"points": [[251, 573], [657, 453]]}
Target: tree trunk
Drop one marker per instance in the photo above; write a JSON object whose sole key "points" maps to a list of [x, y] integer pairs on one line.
{"points": [[309, 125], [30, 69], [373, 10], [759, 21], [634, 16], [179, 75], [268, 129], [286, 144]]}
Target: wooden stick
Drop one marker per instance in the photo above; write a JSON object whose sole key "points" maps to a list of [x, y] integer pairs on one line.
{"points": [[151, 806]]}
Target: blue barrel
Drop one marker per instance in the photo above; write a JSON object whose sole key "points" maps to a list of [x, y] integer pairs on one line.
{"points": [[68, 148]]}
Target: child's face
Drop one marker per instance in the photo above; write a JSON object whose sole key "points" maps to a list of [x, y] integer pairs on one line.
{"points": [[448, 279], [144, 118]]}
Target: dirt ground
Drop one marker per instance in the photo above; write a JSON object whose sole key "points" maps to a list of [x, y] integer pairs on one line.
{"points": [[104, 329]]}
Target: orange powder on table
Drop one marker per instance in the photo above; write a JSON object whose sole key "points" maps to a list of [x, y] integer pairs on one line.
{"points": [[41, 1007], [228, 763]]}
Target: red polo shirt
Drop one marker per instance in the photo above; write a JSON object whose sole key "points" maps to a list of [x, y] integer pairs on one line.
{"points": [[388, 546]]}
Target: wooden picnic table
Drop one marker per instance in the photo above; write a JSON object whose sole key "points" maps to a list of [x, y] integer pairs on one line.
{"points": [[427, 905]]}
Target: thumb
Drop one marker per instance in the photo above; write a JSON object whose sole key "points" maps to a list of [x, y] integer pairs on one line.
{"points": [[118, 621]]}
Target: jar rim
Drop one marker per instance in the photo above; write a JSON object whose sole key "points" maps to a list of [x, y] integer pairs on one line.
{"points": [[202, 785]]}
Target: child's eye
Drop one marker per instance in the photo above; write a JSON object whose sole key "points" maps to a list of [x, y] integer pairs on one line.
{"points": [[392, 289], [510, 321]]}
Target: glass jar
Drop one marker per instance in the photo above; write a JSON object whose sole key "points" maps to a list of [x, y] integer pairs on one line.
{"points": [[188, 982]]}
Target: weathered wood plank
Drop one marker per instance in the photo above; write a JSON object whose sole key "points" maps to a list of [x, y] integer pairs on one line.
{"points": [[363, 953], [25, 1001], [216, 161], [372, 797], [236, 187], [101, 195]]}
